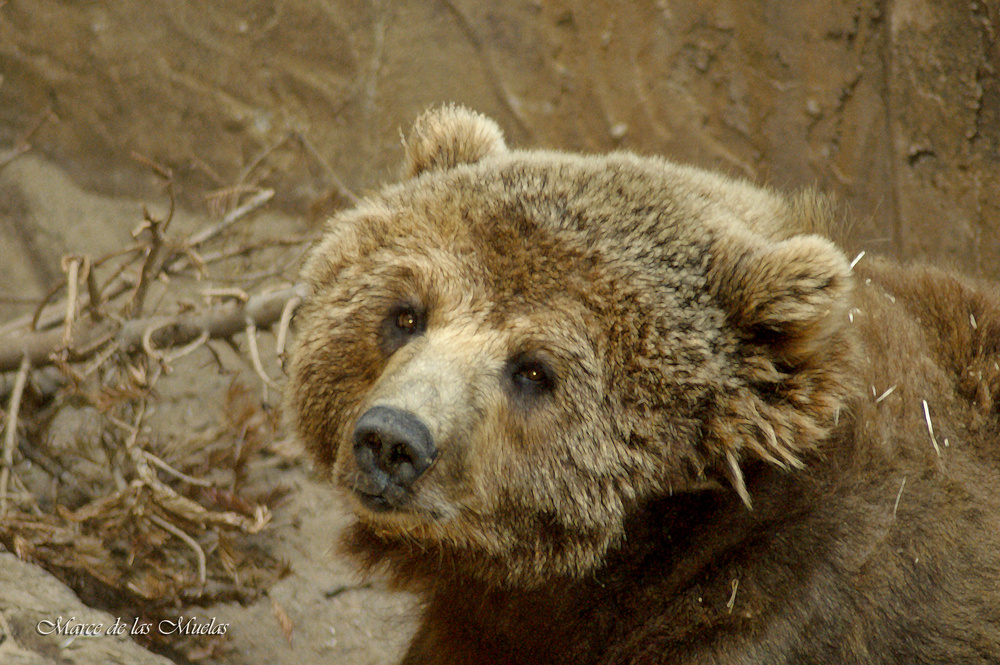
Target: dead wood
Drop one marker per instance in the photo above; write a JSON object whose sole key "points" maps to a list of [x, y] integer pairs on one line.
{"points": [[91, 337], [131, 530]]}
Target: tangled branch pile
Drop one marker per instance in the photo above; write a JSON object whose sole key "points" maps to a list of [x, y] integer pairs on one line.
{"points": [[135, 527]]}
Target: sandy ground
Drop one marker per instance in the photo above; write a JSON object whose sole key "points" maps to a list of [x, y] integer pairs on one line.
{"points": [[336, 619]]}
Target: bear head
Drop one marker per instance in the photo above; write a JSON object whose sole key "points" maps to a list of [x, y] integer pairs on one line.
{"points": [[507, 353]]}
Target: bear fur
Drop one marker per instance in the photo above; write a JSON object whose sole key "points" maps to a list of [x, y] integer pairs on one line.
{"points": [[652, 415]]}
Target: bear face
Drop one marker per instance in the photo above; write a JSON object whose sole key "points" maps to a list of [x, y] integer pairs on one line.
{"points": [[509, 353]]}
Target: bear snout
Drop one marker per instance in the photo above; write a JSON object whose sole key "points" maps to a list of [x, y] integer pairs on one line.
{"points": [[392, 448]]}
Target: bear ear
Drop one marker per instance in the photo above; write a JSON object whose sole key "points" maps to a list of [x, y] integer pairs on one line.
{"points": [[447, 136], [786, 297], [786, 300]]}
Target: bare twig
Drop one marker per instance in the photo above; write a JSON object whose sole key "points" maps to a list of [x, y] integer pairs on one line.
{"points": [[287, 625], [259, 159], [191, 542], [233, 216], [167, 358], [258, 366], [270, 243], [283, 325], [46, 316], [342, 188], [71, 265], [276, 270], [41, 305], [39, 347], [146, 475], [226, 293], [174, 472], [162, 171], [94, 304], [188, 256], [151, 266], [222, 201], [166, 497], [10, 434], [23, 144], [98, 360]]}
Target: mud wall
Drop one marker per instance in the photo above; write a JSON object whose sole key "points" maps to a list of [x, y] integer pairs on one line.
{"points": [[892, 106]]}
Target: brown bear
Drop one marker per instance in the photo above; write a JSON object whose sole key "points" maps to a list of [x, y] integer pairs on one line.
{"points": [[609, 409]]}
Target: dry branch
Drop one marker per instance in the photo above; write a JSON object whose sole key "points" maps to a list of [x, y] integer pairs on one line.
{"points": [[254, 202], [23, 144], [91, 337], [10, 432], [95, 344]]}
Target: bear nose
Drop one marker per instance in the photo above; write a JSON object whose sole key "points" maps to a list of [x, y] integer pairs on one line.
{"points": [[392, 445]]}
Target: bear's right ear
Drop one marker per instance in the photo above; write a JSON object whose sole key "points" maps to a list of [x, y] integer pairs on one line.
{"points": [[447, 136]]}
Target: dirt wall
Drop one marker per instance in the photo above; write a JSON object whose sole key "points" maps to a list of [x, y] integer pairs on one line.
{"points": [[892, 106]]}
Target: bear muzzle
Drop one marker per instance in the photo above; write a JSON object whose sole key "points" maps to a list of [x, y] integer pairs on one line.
{"points": [[392, 448]]}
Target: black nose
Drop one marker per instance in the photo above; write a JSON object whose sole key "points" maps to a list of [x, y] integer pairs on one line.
{"points": [[392, 446]]}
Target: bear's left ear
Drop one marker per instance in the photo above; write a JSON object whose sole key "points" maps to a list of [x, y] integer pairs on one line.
{"points": [[447, 136], [785, 296], [787, 302]]}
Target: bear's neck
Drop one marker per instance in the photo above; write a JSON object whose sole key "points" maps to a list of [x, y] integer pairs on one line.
{"points": [[682, 561]]}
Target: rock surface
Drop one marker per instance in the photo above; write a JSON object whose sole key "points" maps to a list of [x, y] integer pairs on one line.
{"points": [[33, 603]]}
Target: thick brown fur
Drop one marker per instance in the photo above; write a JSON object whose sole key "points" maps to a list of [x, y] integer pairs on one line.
{"points": [[744, 451]]}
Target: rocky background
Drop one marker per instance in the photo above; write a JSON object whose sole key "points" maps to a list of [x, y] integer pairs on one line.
{"points": [[893, 107]]}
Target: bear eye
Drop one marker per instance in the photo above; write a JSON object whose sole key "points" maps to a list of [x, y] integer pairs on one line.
{"points": [[531, 376], [401, 323], [406, 321]]}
